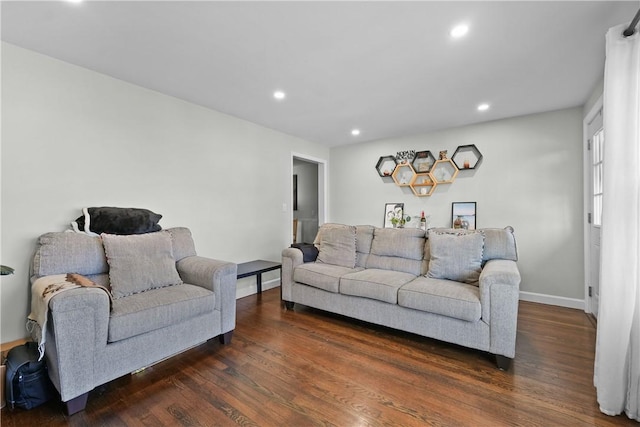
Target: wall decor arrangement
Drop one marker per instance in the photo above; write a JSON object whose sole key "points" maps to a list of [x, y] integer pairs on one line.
{"points": [[420, 171]]}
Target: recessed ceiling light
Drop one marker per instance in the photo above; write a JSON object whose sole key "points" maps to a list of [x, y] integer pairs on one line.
{"points": [[355, 132], [459, 31], [279, 94], [74, 1], [483, 107]]}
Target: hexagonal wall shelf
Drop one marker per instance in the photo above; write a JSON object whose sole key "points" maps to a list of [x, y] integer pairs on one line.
{"points": [[423, 161], [386, 165], [403, 175], [467, 157], [423, 184], [444, 171]]}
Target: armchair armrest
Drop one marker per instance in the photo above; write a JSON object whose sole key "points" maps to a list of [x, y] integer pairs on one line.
{"points": [[291, 258], [76, 332], [217, 276], [499, 296]]}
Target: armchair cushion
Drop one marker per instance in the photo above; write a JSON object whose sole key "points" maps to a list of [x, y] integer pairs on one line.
{"points": [[157, 309], [140, 262]]}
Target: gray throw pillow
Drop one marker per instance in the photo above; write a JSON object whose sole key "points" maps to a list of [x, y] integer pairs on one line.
{"points": [[338, 246], [140, 262], [456, 256]]}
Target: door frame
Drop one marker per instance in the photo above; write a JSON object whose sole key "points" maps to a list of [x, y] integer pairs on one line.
{"points": [[322, 186], [587, 199]]}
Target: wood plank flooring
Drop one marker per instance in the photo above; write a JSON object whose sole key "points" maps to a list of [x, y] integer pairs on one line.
{"points": [[310, 368]]}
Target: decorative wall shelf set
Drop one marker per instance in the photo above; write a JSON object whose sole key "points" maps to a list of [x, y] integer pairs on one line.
{"points": [[422, 172]]}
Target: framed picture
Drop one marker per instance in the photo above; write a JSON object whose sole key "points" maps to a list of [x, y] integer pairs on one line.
{"points": [[392, 210], [463, 215]]}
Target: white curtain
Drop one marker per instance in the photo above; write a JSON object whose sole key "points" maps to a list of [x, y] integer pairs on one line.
{"points": [[617, 363]]}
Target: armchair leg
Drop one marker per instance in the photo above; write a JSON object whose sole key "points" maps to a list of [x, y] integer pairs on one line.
{"points": [[288, 305], [503, 362], [226, 337], [76, 404]]}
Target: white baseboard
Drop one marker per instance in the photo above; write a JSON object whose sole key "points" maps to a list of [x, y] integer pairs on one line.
{"points": [[552, 300], [251, 290]]}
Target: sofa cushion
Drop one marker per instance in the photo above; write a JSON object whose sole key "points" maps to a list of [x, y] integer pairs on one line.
{"points": [[157, 308], [376, 284], [62, 252], [364, 238], [455, 256], [499, 243], [398, 249], [338, 246], [182, 243], [444, 297], [322, 276], [399, 242], [140, 262]]}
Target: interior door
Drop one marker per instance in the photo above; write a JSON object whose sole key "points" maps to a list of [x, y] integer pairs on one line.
{"points": [[595, 146]]}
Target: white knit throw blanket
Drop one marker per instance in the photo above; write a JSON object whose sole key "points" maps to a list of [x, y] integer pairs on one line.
{"points": [[41, 292]]}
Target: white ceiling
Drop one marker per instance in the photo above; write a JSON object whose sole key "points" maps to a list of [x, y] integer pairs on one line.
{"points": [[387, 68]]}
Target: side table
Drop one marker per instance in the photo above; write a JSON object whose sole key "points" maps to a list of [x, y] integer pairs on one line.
{"points": [[256, 268]]}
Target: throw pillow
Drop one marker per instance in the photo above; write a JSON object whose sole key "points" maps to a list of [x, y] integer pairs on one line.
{"points": [[138, 263], [456, 256], [338, 246], [112, 220]]}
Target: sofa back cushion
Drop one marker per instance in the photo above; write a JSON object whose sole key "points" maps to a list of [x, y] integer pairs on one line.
{"points": [[398, 249], [499, 243], [68, 252], [364, 239], [337, 245], [182, 243], [140, 262], [456, 256]]}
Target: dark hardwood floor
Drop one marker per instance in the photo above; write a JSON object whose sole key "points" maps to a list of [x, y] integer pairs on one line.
{"points": [[310, 368]]}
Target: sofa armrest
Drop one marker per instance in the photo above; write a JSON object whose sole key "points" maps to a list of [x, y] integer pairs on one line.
{"points": [[217, 276], [499, 296], [291, 258], [76, 333]]}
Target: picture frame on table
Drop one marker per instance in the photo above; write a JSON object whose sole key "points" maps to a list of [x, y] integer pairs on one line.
{"points": [[464, 215], [392, 210]]}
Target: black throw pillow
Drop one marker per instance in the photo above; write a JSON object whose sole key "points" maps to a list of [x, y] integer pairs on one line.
{"points": [[122, 221]]}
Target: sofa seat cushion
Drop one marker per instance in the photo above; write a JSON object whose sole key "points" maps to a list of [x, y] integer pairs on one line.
{"points": [[445, 297], [322, 276], [157, 308], [376, 284]]}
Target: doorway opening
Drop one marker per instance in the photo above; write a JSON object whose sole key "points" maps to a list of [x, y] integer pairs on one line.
{"points": [[308, 197]]}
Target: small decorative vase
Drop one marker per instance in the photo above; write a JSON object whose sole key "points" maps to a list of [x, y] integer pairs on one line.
{"points": [[457, 223]]}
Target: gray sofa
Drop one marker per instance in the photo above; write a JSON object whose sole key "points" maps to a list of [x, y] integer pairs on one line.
{"points": [[166, 299], [452, 285]]}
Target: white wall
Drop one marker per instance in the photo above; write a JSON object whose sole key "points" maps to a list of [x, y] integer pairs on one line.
{"points": [[73, 138], [530, 178]]}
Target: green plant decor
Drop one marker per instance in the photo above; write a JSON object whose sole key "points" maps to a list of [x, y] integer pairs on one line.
{"points": [[400, 221]]}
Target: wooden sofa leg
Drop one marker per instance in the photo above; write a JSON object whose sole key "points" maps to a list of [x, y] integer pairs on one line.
{"points": [[226, 337], [503, 362], [76, 404], [288, 305]]}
